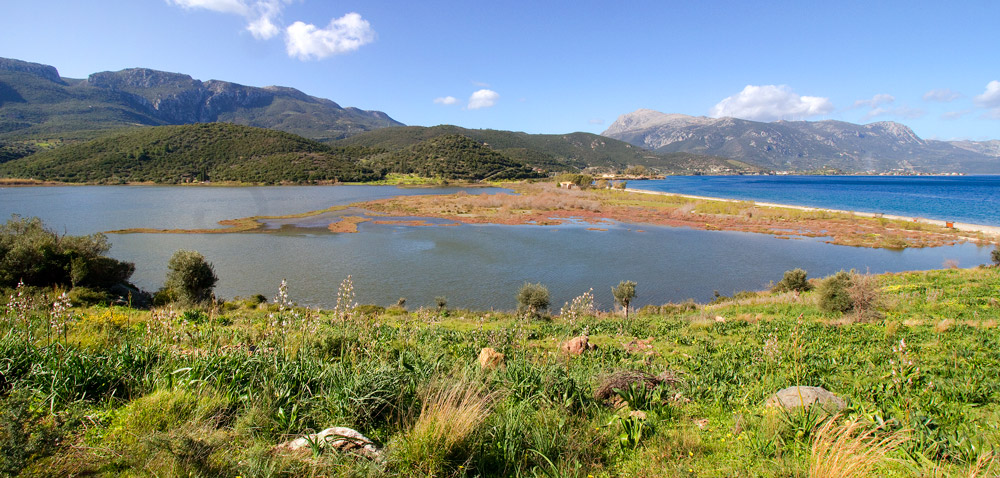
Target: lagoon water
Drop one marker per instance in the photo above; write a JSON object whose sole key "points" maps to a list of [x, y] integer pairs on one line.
{"points": [[969, 199], [474, 266]]}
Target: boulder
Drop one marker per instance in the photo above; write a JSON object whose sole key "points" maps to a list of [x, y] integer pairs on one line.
{"points": [[490, 359], [336, 438], [796, 396], [578, 345]]}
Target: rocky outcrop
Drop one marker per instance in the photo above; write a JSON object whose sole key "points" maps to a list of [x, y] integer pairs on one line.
{"points": [[45, 71], [578, 345], [490, 359], [341, 439], [805, 397]]}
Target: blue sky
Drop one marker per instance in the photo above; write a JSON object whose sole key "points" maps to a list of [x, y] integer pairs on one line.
{"points": [[554, 67]]}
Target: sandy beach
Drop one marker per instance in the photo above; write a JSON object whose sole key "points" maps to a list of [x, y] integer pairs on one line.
{"points": [[959, 226]]}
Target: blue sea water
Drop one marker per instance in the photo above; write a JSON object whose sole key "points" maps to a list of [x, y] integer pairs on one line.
{"points": [[968, 199]]}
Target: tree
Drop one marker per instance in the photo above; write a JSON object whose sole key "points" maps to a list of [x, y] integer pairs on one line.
{"points": [[191, 278], [533, 299], [624, 293]]}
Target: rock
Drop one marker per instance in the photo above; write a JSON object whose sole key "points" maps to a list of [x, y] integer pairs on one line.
{"points": [[578, 345], [719, 318], [337, 438], [490, 359], [793, 397]]}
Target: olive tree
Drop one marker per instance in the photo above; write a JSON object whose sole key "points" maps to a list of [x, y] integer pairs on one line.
{"points": [[190, 277], [624, 292], [532, 299]]}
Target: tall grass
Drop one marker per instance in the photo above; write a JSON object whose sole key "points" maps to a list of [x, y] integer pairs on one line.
{"points": [[852, 449]]}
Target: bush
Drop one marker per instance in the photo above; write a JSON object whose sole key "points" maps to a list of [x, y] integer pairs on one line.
{"points": [[793, 280], [532, 299], [833, 293], [191, 278], [84, 296], [866, 297], [995, 256], [31, 253]]}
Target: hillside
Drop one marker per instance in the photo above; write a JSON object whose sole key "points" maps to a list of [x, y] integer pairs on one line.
{"points": [[805, 145], [554, 152], [454, 157], [211, 151], [35, 102]]}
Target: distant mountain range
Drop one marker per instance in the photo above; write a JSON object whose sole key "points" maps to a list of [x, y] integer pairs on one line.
{"points": [[555, 152], [36, 102], [806, 145]]}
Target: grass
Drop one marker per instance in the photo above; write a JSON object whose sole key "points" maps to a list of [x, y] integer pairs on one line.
{"points": [[174, 392]]}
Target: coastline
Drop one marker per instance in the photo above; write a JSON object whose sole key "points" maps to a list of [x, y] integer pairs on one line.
{"points": [[959, 226]]}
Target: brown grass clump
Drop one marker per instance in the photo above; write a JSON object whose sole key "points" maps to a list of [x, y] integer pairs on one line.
{"points": [[988, 464], [622, 379], [851, 449], [866, 297], [448, 417]]}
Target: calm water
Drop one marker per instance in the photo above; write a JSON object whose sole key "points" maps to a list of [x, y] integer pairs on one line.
{"points": [[476, 266], [970, 199]]}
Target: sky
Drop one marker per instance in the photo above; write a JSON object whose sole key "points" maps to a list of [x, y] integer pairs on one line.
{"points": [[554, 66]]}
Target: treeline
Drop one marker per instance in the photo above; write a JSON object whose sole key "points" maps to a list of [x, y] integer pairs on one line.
{"points": [[224, 152]]}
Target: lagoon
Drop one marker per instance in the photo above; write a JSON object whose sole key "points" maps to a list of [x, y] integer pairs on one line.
{"points": [[474, 266]]}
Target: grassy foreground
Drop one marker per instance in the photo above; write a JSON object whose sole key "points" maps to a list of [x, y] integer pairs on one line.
{"points": [[112, 391]]}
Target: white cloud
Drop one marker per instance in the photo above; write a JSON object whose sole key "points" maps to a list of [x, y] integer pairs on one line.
{"points": [[345, 34], [991, 97], [770, 103], [596, 121], [302, 40], [445, 100], [904, 112], [943, 95], [954, 115], [237, 7], [876, 101], [483, 99]]}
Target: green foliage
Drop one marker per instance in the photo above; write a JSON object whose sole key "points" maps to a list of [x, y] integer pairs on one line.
{"points": [[794, 279], [454, 157], [190, 277], [31, 253], [624, 292], [833, 293], [198, 152], [582, 181], [532, 299]]}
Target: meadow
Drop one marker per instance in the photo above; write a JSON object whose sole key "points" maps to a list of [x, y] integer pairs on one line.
{"points": [[673, 390]]}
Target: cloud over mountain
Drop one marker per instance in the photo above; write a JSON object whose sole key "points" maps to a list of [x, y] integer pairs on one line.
{"points": [[770, 103], [483, 99]]}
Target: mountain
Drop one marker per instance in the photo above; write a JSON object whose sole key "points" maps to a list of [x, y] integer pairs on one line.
{"points": [[805, 145], [554, 152], [36, 102], [186, 153], [454, 157]]}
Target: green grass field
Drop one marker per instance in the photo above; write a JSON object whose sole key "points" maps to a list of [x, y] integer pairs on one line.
{"points": [[113, 391]]}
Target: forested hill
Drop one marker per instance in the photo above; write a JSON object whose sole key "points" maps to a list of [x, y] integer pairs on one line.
{"points": [[454, 157], [227, 152], [208, 151]]}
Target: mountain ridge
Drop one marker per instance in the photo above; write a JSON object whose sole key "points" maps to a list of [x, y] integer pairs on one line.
{"points": [[805, 145], [38, 102]]}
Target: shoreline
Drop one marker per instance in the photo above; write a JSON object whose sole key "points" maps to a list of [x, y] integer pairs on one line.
{"points": [[959, 226]]}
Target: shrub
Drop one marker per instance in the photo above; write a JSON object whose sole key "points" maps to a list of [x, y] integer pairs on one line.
{"points": [[532, 299], [85, 296], [995, 256], [794, 279], [833, 294], [866, 297], [39, 257], [624, 292], [190, 278]]}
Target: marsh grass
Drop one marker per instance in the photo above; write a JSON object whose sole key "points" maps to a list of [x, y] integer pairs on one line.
{"points": [[853, 449]]}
